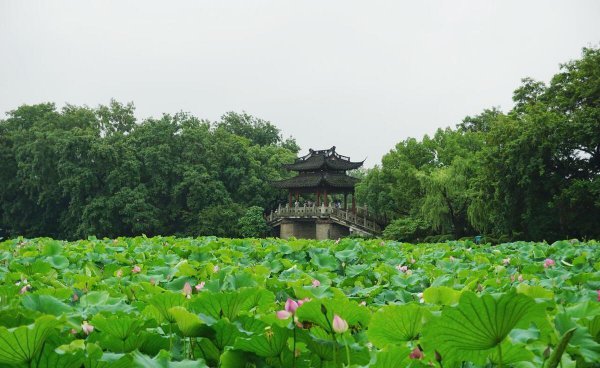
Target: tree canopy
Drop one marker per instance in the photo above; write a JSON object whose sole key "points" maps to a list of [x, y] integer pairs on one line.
{"points": [[530, 173], [82, 171]]}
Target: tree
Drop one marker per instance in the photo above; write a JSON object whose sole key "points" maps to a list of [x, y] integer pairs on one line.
{"points": [[253, 223]]}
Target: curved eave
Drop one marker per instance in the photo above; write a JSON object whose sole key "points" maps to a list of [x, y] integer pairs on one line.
{"points": [[317, 180], [323, 165]]}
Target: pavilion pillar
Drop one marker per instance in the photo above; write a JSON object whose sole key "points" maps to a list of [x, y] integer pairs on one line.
{"points": [[345, 201], [325, 194], [353, 203], [318, 197], [290, 198], [297, 196]]}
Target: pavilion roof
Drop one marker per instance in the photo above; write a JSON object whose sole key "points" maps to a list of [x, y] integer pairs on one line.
{"points": [[315, 180], [323, 160]]}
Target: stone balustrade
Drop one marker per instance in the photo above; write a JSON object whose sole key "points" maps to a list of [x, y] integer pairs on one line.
{"points": [[360, 219]]}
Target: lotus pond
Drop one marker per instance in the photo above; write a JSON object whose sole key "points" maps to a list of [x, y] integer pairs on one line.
{"points": [[208, 302]]}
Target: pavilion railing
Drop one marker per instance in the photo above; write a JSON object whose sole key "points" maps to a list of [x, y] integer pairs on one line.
{"points": [[359, 219]]}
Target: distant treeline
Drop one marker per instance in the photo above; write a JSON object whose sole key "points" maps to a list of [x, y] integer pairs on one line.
{"points": [[82, 171], [532, 173]]}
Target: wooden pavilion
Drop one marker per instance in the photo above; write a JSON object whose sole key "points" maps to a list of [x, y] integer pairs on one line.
{"points": [[320, 173]]}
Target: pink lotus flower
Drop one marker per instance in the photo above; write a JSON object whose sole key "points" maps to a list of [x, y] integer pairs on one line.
{"points": [[283, 314], [136, 269], [316, 283], [119, 273], [216, 268], [598, 291], [506, 261], [412, 261], [382, 244], [87, 328], [75, 297], [416, 354], [73, 331], [187, 290], [200, 286], [512, 278], [549, 263], [24, 289], [402, 268], [363, 303], [291, 305], [339, 325], [520, 278]]}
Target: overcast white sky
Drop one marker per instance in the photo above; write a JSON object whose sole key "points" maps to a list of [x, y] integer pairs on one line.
{"points": [[361, 75]]}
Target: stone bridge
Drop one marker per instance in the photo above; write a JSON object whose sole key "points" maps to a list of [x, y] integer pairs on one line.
{"points": [[321, 222]]}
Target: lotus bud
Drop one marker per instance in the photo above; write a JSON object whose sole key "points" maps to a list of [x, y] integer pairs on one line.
{"points": [[187, 290], [87, 328], [136, 269], [416, 354], [547, 352], [316, 283], [339, 325], [549, 263], [200, 286]]}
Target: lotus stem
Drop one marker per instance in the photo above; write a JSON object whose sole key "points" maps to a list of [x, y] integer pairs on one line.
{"points": [[500, 355], [347, 353]]}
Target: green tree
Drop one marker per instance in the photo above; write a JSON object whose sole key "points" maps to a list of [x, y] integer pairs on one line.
{"points": [[253, 223]]}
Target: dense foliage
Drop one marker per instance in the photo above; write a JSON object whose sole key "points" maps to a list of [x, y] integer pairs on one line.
{"points": [[532, 173], [82, 171], [198, 302]]}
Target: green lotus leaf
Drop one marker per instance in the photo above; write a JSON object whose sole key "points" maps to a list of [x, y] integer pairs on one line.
{"points": [[165, 301], [396, 324], [69, 356], [348, 310], [441, 295], [392, 356], [233, 359], [163, 360], [52, 248], [59, 262], [581, 343], [22, 344], [45, 304], [511, 354], [324, 261], [231, 304], [270, 343], [120, 326], [188, 323], [226, 332], [536, 292], [478, 324], [152, 343]]}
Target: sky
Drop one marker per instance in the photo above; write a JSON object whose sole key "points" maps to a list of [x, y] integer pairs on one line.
{"points": [[360, 75]]}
